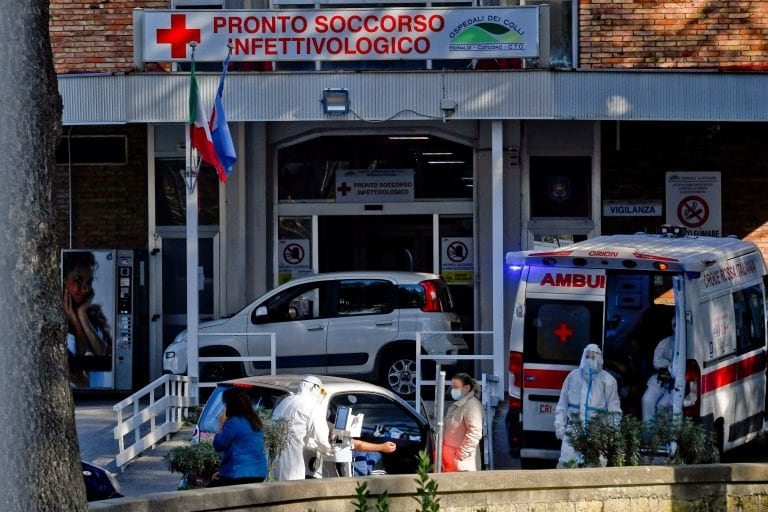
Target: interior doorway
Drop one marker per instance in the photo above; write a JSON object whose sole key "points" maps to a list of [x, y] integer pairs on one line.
{"points": [[376, 242]]}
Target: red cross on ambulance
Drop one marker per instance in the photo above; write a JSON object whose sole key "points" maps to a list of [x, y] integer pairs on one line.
{"points": [[178, 36], [563, 332]]}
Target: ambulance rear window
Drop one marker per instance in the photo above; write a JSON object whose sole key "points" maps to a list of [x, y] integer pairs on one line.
{"points": [[558, 331]]}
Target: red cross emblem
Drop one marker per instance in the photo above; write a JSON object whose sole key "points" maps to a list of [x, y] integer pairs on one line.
{"points": [[178, 36], [563, 332], [343, 188]]}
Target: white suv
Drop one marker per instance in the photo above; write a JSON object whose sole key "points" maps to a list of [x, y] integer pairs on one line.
{"points": [[345, 323]]}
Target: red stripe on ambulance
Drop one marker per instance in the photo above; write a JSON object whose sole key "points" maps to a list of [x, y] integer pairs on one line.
{"points": [[544, 379], [732, 373]]}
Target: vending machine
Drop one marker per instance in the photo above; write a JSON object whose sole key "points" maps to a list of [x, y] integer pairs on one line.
{"points": [[104, 301]]}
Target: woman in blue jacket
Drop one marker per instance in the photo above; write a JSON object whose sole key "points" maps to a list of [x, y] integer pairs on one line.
{"points": [[240, 439]]}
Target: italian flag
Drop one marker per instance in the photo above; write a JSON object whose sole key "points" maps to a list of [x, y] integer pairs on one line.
{"points": [[199, 133]]}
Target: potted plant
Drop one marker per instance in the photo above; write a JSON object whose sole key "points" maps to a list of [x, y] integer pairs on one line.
{"points": [[276, 432], [197, 463]]}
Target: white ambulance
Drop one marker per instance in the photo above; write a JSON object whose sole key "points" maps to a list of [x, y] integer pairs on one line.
{"points": [[622, 292]]}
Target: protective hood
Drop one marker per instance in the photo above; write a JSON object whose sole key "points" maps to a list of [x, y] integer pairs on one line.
{"points": [[591, 360], [311, 386]]}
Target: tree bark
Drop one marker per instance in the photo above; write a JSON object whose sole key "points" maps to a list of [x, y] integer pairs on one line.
{"points": [[40, 467]]}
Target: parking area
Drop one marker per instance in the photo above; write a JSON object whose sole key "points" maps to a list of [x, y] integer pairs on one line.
{"points": [[148, 474]]}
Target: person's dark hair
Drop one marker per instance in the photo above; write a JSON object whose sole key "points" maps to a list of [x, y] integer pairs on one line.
{"points": [[74, 259], [238, 404]]}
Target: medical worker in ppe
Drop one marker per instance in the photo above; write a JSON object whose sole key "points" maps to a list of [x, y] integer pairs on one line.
{"points": [[308, 432], [658, 394], [586, 391]]}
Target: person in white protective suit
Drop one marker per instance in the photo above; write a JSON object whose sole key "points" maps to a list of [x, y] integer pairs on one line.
{"points": [[308, 432], [587, 390], [658, 394]]}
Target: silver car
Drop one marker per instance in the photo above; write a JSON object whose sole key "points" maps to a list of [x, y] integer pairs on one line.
{"points": [[362, 324]]}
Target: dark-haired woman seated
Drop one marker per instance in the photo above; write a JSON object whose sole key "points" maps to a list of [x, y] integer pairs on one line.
{"points": [[240, 440]]}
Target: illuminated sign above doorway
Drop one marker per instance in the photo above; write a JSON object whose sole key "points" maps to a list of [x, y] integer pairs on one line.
{"points": [[374, 186], [345, 34]]}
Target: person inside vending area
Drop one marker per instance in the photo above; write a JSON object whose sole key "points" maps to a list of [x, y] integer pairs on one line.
{"points": [[587, 390], [463, 426], [658, 394]]}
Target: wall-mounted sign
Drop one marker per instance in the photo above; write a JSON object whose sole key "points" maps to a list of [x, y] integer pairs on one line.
{"points": [[294, 259], [693, 201], [456, 260], [379, 186], [632, 208], [338, 34]]}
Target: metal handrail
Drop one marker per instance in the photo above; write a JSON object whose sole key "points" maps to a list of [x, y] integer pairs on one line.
{"points": [[271, 358], [179, 394], [489, 400], [171, 405]]}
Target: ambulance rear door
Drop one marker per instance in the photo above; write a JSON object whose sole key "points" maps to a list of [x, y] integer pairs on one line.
{"points": [[564, 311]]}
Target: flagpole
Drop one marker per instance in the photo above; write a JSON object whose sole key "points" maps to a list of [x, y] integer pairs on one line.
{"points": [[193, 299]]}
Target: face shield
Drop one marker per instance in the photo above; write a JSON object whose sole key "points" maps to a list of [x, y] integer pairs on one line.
{"points": [[591, 360]]}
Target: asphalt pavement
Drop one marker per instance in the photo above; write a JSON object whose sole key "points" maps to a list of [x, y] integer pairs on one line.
{"points": [[146, 474]]}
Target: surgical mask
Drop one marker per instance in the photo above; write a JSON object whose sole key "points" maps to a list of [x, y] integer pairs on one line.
{"points": [[593, 365], [456, 394]]}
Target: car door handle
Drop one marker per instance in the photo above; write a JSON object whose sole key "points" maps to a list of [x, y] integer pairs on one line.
{"points": [[383, 324], [315, 328]]}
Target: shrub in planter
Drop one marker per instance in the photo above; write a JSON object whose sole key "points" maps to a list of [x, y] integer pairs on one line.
{"points": [[598, 437], [627, 441], [276, 432], [196, 462], [695, 444]]}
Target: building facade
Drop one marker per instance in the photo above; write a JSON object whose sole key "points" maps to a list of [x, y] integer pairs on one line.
{"points": [[499, 154]]}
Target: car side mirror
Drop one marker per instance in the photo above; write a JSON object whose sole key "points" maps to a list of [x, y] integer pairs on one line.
{"points": [[260, 315]]}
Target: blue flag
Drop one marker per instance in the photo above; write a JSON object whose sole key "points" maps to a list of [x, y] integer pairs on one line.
{"points": [[222, 139]]}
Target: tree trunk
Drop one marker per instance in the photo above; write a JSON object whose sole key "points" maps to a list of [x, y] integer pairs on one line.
{"points": [[38, 444]]}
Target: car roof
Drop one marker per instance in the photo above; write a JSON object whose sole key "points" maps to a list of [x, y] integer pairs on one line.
{"points": [[398, 277], [289, 382]]}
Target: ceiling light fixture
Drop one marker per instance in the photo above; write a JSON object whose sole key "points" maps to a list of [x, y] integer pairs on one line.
{"points": [[335, 101]]}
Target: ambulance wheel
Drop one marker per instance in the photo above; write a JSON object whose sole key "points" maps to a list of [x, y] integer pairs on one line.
{"points": [[719, 439]]}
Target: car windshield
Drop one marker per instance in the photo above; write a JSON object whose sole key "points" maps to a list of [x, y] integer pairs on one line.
{"points": [[261, 397]]}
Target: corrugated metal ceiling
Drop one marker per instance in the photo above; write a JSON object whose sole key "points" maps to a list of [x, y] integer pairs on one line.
{"points": [[377, 96]]}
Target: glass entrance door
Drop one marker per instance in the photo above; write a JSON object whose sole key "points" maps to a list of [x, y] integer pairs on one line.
{"points": [[376, 242], [174, 278]]}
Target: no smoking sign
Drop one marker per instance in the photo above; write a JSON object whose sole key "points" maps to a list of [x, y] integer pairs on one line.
{"points": [[694, 200], [693, 211]]}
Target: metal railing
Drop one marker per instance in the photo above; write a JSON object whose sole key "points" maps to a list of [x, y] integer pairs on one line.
{"points": [[170, 408], [160, 407], [271, 358], [487, 384]]}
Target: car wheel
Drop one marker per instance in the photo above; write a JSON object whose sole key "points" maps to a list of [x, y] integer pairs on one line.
{"points": [[217, 372], [399, 375]]}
